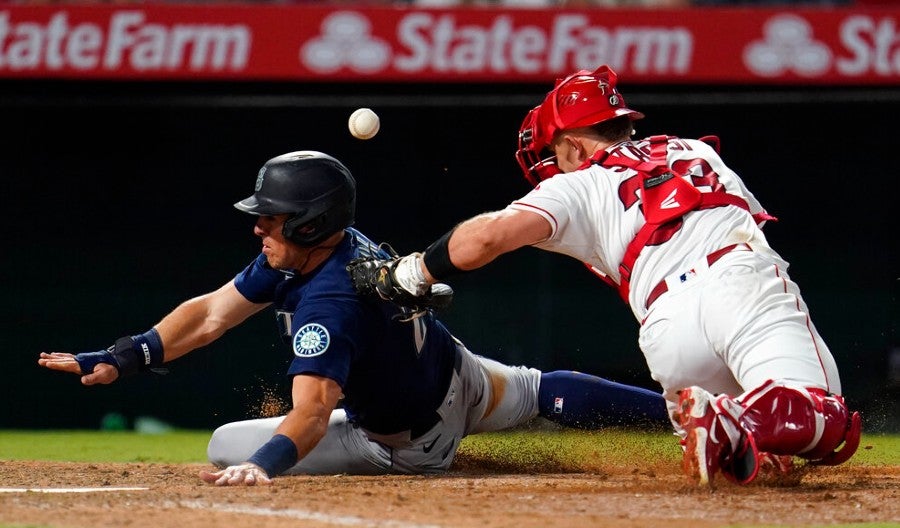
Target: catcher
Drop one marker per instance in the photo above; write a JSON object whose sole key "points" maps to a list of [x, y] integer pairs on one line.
{"points": [[408, 390], [724, 329]]}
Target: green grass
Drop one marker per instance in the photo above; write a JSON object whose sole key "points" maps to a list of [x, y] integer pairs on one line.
{"points": [[566, 450], [104, 446], [878, 450], [569, 450]]}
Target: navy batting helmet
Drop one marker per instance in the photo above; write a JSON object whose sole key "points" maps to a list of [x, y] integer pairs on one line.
{"points": [[317, 190]]}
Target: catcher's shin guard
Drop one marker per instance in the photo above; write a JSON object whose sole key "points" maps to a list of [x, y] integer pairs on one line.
{"points": [[788, 419]]}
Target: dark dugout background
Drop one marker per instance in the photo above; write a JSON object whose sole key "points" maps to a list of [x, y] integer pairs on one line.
{"points": [[118, 206]]}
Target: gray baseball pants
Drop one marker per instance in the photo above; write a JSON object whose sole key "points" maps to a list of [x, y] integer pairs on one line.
{"points": [[484, 395]]}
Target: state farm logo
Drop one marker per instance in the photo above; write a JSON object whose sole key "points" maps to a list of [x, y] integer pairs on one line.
{"points": [[440, 42], [346, 40], [128, 40], [863, 45], [787, 46]]}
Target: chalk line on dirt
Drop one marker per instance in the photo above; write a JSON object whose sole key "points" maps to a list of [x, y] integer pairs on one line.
{"points": [[67, 490], [342, 520]]}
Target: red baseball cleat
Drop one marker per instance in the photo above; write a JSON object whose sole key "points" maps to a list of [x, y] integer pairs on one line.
{"points": [[713, 436]]}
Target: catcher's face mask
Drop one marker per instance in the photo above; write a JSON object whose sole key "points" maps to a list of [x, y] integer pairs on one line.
{"points": [[537, 163]]}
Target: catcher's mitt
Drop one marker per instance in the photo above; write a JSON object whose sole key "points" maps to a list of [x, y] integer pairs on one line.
{"points": [[372, 276]]}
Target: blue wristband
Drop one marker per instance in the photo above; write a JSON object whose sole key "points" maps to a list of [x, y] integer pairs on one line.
{"points": [[149, 349], [275, 456], [129, 355]]}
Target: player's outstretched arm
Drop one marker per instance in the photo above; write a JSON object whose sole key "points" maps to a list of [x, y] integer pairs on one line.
{"points": [[479, 240], [300, 431], [199, 321], [195, 323], [412, 281]]}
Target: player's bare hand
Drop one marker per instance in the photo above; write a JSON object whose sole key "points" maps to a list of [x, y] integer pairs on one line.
{"points": [[246, 474], [103, 373]]}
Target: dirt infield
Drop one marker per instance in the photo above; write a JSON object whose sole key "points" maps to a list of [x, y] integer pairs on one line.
{"points": [[470, 496]]}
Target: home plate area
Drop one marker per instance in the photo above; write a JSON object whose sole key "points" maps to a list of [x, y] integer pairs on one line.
{"points": [[143, 495]]}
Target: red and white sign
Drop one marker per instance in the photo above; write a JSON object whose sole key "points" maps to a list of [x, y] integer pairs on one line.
{"points": [[371, 44]]}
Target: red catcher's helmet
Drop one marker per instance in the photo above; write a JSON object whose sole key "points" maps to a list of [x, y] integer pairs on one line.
{"points": [[582, 99]]}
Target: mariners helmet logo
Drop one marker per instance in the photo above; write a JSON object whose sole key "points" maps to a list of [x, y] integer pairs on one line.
{"points": [[259, 179], [311, 340]]}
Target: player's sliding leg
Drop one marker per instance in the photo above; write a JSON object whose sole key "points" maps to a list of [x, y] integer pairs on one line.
{"points": [[344, 448], [580, 400]]}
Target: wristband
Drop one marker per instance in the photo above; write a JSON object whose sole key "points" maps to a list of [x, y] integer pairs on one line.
{"points": [[129, 355], [437, 258], [275, 456], [133, 354], [149, 349]]}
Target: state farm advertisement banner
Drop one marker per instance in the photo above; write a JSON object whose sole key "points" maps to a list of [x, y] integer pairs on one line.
{"points": [[368, 44]]}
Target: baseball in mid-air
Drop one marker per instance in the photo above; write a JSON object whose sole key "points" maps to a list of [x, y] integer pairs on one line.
{"points": [[364, 123]]}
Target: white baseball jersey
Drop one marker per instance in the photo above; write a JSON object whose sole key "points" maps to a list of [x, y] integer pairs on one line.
{"points": [[595, 213], [728, 327]]}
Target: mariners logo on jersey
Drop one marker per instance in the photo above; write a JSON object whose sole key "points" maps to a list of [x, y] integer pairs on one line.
{"points": [[311, 340]]}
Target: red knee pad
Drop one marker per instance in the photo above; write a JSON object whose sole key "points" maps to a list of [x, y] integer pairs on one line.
{"points": [[841, 427], [787, 419]]}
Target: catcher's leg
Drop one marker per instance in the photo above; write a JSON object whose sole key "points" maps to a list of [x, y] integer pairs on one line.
{"points": [[712, 435], [779, 418], [787, 419]]}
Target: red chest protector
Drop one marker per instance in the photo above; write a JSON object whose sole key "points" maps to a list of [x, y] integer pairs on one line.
{"points": [[666, 197]]}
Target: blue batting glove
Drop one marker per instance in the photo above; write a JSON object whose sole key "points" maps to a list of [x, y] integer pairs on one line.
{"points": [[88, 360]]}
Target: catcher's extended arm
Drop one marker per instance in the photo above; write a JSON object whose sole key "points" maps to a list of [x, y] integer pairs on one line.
{"points": [[372, 276]]}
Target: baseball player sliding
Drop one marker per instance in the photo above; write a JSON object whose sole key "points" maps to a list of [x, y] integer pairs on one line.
{"points": [[723, 328], [410, 391]]}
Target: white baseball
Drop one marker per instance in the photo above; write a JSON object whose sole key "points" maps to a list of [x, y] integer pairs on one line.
{"points": [[364, 123]]}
